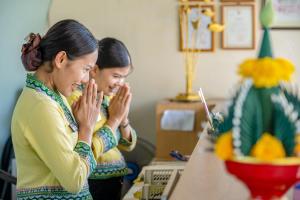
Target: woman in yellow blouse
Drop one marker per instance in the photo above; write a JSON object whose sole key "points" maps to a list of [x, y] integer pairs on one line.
{"points": [[52, 144], [113, 132]]}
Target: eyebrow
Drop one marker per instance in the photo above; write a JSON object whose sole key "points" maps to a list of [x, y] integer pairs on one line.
{"points": [[90, 66], [120, 74]]}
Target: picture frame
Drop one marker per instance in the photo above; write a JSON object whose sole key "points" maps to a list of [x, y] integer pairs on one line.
{"points": [[286, 14], [182, 1], [236, 1], [239, 32], [204, 37]]}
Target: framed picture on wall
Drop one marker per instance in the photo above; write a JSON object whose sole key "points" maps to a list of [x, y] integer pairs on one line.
{"points": [[239, 32], [194, 32], [237, 1], [286, 14], [184, 1]]}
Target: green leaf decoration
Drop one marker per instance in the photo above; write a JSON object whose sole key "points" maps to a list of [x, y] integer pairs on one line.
{"points": [[293, 99], [226, 125], [267, 14], [251, 121], [284, 130], [264, 95]]}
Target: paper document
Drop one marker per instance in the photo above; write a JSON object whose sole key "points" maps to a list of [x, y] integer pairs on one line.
{"points": [[179, 120]]}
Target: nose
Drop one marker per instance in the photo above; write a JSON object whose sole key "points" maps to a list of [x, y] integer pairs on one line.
{"points": [[121, 80]]}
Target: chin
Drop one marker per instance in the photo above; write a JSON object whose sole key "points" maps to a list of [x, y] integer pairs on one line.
{"points": [[67, 93], [108, 92]]}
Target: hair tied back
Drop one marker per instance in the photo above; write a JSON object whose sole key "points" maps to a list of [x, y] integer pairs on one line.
{"points": [[31, 54]]}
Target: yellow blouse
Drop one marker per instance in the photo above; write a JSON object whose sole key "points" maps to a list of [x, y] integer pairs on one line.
{"points": [[51, 162]]}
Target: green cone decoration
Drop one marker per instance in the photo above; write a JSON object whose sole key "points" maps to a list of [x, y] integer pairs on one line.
{"points": [[265, 48], [266, 18], [268, 109]]}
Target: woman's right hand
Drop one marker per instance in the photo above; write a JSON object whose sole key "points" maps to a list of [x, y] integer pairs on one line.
{"points": [[86, 111], [119, 106]]}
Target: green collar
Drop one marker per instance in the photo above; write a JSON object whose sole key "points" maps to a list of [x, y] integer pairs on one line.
{"points": [[34, 83], [105, 102]]}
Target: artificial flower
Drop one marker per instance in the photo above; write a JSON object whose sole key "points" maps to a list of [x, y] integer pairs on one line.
{"points": [[267, 72], [268, 148], [297, 146], [223, 146]]}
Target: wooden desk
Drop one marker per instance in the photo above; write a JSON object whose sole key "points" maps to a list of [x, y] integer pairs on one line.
{"points": [[183, 141]]}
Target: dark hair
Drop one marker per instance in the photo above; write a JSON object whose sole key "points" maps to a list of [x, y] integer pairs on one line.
{"points": [[66, 35], [112, 53]]}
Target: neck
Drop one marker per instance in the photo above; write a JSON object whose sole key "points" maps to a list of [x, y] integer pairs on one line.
{"points": [[43, 75]]}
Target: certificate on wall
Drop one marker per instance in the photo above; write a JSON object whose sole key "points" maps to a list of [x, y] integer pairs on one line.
{"points": [[286, 14], [239, 32], [200, 39]]}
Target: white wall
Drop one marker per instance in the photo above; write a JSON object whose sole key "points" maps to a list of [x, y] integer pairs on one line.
{"points": [[150, 29], [17, 20]]}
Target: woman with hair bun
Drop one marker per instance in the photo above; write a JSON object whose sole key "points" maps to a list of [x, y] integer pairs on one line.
{"points": [[53, 144]]}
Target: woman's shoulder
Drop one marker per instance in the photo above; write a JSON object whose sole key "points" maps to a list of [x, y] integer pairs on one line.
{"points": [[32, 101], [33, 104], [34, 98]]}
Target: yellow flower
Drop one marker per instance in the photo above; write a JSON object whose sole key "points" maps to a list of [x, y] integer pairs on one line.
{"points": [[268, 148], [223, 146], [245, 69], [297, 147], [287, 68], [267, 72]]}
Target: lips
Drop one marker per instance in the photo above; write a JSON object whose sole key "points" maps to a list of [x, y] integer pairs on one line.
{"points": [[114, 90]]}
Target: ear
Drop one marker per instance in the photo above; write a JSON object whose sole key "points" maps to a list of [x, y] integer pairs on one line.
{"points": [[93, 71], [60, 59]]}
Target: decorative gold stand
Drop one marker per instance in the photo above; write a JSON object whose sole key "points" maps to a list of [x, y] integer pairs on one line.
{"points": [[187, 97], [190, 53]]}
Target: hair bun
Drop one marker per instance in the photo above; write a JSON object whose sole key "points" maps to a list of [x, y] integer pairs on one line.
{"points": [[31, 54]]}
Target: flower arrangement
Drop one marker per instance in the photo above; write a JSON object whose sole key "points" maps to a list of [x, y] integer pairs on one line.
{"points": [[258, 135], [260, 91], [262, 120]]}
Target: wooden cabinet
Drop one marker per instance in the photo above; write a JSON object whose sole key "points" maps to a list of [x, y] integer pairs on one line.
{"points": [[183, 141]]}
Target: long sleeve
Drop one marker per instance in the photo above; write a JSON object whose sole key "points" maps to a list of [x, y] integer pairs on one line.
{"points": [[126, 145], [49, 135], [103, 140]]}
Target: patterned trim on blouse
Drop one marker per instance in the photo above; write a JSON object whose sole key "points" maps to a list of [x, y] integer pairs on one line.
{"points": [[85, 151], [33, 83], [52, 192], [107, 136], [105, 102], [108, 170], [125, 142]]}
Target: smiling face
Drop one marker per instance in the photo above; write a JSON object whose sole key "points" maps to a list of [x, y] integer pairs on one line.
{"points": [[109, 79], [69, 74]]}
